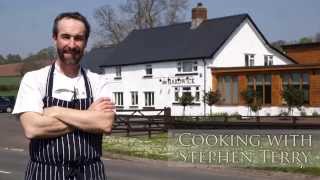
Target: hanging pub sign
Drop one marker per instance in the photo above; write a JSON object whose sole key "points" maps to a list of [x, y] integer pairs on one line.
{"points": [[177, 80]]}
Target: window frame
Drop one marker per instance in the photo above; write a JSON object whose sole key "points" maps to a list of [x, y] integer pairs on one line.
{"points": [[149, 98], [249, 59]]}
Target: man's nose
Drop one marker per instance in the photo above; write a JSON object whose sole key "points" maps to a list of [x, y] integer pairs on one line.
{"points": [[72, 43]]}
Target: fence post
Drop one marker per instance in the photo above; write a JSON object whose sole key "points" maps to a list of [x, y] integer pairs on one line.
{"points": [[149, 126], [167, 115], [128, 126]]}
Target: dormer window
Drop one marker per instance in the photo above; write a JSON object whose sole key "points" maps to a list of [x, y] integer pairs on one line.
{"points": [[118, 71], [249, 60], [148, 69], [268, 60], [187, 66]]}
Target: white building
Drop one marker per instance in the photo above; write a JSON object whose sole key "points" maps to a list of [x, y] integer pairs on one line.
{"points": [[152, 67]]}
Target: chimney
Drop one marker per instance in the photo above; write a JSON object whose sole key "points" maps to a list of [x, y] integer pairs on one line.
{"points": [[199, 14]]}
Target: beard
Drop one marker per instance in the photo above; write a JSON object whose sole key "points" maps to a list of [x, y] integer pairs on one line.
{"points": [[73, 56]]}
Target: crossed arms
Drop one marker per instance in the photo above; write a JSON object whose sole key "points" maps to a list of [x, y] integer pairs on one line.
{"points": [[56, 121]]}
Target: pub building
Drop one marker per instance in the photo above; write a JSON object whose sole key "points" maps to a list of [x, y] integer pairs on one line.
{"points": [[152, 67]]}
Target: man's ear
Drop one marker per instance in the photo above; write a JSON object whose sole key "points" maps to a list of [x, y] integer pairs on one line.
{"points": [[54, 38]]}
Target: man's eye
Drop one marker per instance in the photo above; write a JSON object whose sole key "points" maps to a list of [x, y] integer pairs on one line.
{"points": [[79, 38]]}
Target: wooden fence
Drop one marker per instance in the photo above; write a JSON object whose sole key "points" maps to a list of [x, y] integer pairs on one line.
{"points": [[139, 121]]}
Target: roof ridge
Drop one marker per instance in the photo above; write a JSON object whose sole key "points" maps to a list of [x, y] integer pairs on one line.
{"points": [[188, 22]]}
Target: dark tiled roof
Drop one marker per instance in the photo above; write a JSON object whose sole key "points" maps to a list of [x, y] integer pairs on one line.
{"points": [[95, 58], [174, 42]]}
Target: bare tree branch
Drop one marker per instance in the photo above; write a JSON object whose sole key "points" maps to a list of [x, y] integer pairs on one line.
{"points": [[136, 14]]}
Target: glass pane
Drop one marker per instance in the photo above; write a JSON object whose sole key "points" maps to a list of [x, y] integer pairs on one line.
{"points": [[285, 78], [306, 94], [259, 79], [250, 80], [305, 78], [228, 90], [235, 96], [259, 91], [295, 78], [267, 79], [267, 94]]}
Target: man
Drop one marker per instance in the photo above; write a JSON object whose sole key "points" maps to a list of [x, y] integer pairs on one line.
{"points": [[60, 111]]}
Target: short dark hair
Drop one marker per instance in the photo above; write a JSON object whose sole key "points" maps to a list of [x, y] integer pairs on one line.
{"points": [[71, 15]]}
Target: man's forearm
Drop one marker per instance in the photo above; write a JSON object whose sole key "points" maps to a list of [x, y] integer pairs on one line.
{"points": [[36, 125], [86, 120]]}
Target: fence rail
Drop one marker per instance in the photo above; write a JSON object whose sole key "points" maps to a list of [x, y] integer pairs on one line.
{"points": [[136, 121]]}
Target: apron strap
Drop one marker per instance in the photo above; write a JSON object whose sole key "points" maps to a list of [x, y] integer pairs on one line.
{"points": [[87, 84], [49, 86]]}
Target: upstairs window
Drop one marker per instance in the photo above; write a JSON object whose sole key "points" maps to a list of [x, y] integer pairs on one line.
{"points": [[148, 69], [268, 60], [249, 60], [118, 71], [187, 66], [118, 98], [134, 98]]}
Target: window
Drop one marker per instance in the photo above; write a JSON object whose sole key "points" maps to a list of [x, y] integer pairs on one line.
{"points": [[268, 60], [299, 81], [187, 66], [118, 71], [149, 98], [197, 95], [134, 98], [191, 90], [228, 87], [249, 60], [186, 91], [118, 98], [261, 83], [148, 69]]}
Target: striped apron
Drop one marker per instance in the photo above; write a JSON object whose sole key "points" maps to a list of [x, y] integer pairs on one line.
{"points": [[73, 156]]}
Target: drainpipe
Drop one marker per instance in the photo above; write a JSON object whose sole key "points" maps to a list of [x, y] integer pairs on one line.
{"points": [[204, 84]]}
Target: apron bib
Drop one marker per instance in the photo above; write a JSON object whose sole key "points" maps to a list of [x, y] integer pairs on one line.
{"points": [[75, 155]]}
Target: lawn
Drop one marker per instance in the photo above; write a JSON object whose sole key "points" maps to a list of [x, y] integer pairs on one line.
{"points": [[11, 81], [159, 147]]}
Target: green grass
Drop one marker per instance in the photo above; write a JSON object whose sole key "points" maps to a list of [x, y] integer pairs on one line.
{"points": [[9, 80], [157, 148], [140, 146]]}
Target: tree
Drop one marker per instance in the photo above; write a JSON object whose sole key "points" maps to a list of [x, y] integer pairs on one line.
{"points": [[48, 53], [115, 24], [2, 59], [278, 44], [185, 100], [13, 58], [305, 40], [211, 98], [293, 97], [317, 37], [252, 100]]}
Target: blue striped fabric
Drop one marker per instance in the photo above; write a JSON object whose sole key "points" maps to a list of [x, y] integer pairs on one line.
{"points": [[75, 155]]}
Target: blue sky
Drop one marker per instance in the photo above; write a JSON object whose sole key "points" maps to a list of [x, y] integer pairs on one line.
{"points": [[25, 26]]}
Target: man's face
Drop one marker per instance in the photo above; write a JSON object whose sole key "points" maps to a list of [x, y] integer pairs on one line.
{"points": [[70, 40]]}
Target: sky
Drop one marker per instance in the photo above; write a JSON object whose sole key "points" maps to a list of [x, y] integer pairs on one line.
{"points": [[25, 26]]}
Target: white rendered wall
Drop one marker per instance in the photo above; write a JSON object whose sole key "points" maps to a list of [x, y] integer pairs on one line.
{"points": [[245, 40], [132, 79]]}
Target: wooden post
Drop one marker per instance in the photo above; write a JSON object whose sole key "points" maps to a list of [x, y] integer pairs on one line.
{"points": [[167, 115], [149, 126], [128, 126]]}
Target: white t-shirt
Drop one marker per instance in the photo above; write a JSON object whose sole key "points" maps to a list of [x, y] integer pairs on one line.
{"points": [[33, 86]]}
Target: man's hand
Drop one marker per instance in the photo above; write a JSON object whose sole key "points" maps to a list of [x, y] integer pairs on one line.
{"points": [[103, 104]]}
